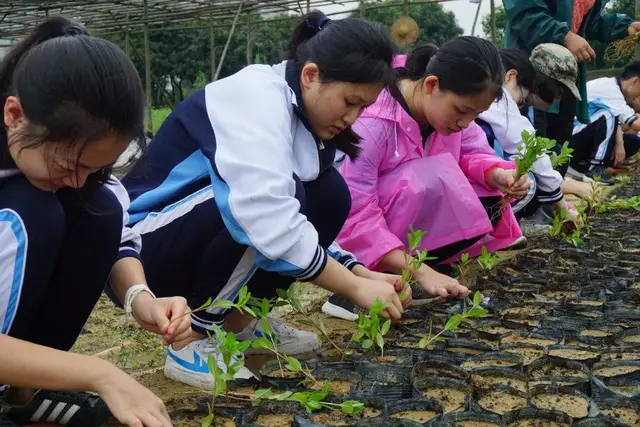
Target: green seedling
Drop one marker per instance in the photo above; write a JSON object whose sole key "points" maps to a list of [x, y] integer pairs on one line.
{"points": [[231, 351], [559, 228], [414, 259], [312, 400], [243, 298], [464, 268], [532, 148], [454, 321], [371, 329], [616, 204], [488, 260]]}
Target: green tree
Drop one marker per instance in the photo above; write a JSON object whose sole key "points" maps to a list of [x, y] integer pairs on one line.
{"points": [[501, 25], [435, 24], [628, 7]]}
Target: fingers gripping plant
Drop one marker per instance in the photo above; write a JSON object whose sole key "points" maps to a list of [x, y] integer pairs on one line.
{"points": [[532, 148], [228, 361], [415, 258]]}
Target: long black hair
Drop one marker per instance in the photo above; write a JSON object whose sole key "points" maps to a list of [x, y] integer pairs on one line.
{"points": [[73, 88], [464, 66], [347, 50]]}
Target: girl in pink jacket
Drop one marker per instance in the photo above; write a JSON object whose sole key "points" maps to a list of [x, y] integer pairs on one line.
{"points": [[425, 163]]}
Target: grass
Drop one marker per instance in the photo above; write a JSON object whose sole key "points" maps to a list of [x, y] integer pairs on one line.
{"points": [[158, 116]]}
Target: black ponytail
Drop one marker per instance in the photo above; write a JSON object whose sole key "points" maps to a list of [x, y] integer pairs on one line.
{"points": [[49, 29], [465, 66], [515, 59], [73, 88], [348, 50]]}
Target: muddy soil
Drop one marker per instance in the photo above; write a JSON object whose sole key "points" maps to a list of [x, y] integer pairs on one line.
{"points": [[593, 290], [417, 416]]}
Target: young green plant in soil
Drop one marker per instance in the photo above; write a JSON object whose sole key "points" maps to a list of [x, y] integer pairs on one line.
{"points": [[454, 321], [415, 258], [464, 270], [558, 229], [371, 329], [532, 148], [488, 260], [615, 204], [231, 351]]}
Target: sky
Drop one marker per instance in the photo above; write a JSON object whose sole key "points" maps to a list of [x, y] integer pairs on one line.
{"points": [[465, 11]]}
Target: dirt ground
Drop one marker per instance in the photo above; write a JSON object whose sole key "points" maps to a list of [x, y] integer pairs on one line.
{"points": [[109, 335]]}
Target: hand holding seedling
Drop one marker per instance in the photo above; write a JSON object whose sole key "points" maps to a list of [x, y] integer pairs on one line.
{"points": [[416, 271], [404, 292], [634, 30], [508, 181], [366, 296], [157, 315]]}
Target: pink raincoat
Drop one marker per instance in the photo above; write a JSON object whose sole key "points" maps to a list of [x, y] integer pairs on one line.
{"points": [[395, 183]]}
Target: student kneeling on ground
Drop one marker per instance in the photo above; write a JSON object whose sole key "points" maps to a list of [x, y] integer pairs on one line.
{"points": [[425, 163], [539, 81], [71, 105], [600, 144], [238, 188]]}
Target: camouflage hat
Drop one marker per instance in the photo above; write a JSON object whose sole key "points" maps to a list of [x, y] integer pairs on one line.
{"points": [[557, 62]]}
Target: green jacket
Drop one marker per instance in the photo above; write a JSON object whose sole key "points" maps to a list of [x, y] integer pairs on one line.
{"points": [[532, 22]]}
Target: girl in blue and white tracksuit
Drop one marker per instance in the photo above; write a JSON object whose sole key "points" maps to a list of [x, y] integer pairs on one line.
{"points": [[72, 104], [238, 187]]}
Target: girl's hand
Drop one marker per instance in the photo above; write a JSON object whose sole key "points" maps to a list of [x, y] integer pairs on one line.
{"points": [[155, 315], [392, 279], [505, 181], [633, 28], [368, 291], [440, 285], [129, 402]]}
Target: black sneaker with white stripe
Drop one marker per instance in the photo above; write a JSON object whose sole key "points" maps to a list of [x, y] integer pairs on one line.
{"points": [[340, 307], [71, 409]]}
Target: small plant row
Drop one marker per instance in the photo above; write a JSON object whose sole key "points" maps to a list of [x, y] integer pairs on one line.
{"points": [[371, 329]]}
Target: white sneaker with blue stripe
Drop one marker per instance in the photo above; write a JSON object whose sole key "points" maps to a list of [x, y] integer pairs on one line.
{"points": [[189, 365], [290, 340]]}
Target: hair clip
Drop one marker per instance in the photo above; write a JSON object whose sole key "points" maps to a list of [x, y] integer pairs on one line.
{"points": [[317, 27], [73, 30]]}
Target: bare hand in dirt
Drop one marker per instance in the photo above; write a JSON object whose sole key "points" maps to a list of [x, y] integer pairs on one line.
{"points": [[129, 402], [440, 285], [368, 291], [155, 315], [618, 155], [505, 181], [579, 47], [574, 221], [577, 188]]}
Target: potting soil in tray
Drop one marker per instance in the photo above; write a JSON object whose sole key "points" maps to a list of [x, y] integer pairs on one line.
{"points": [[574, 406], [274, 420], [417, 416], [451, 399], [501, 402], [559, 316]]}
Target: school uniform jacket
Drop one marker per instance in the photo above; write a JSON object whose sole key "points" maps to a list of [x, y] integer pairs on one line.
{"points": [[14, 242], [507, 124], [246, 137]]}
